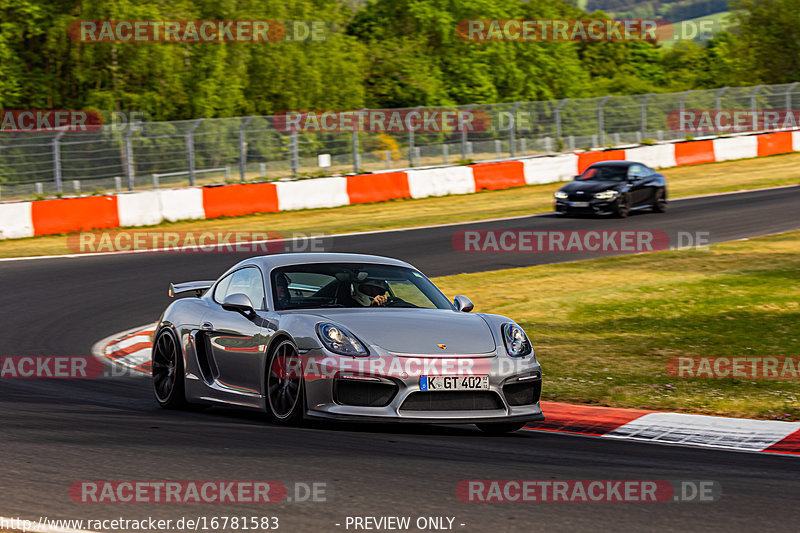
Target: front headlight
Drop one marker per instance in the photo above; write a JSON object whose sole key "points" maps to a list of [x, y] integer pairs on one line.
{"points": [[561, 195], [606, 195], [338, 340], [517, 343]]}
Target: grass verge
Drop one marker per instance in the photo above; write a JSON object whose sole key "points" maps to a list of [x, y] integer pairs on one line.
{"points": [[682, 181], [604, 329]]}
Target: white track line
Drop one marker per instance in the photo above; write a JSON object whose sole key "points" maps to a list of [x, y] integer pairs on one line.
{"points": [[338, 235]]}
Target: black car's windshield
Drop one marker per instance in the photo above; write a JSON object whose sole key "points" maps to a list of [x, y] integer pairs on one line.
{"points": [[605, 173], [354, 285]]}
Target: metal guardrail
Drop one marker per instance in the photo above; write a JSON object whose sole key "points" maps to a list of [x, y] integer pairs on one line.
{"points": [[198, 149]]}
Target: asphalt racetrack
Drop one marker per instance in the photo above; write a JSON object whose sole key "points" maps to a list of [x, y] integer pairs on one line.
{"points": [[57, 432]]}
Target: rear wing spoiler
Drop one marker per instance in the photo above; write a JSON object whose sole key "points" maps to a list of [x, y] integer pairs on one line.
{"points": [[198, 287]]}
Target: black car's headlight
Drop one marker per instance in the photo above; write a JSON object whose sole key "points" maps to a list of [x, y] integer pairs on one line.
{"points": [[561, 195], [517, 343], [339, 340], [606, 195]]}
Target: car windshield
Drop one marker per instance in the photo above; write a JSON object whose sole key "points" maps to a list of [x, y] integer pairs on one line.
{"points": [[353, 285], [605, 173]]}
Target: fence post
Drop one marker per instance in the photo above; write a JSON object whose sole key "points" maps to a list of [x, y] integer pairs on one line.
{"points": [[190, 148], [512, 140], [754, 106], [681, 107], [718, 98], [601, 120], [558, 117], [464, 138], [243, 148], [129, 169], [789, 95], [644, 114], [57, 160], [354, 141], [294, 155]]}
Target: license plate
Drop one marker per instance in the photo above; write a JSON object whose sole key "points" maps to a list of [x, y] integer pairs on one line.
{"points": [[432, 383], [579, 204]]}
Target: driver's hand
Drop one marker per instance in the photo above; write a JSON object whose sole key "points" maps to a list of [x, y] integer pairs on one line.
{"points": [[380, 300]]}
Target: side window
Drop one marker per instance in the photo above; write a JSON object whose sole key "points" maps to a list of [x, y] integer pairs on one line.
{"points": [[247, 281], [637, 171]]}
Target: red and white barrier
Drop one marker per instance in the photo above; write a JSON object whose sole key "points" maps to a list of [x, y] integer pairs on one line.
{"points": [[25, 219], [16, 220], [313, 193], [548, 169], [729, 148], [441, 181], [181, 204]]}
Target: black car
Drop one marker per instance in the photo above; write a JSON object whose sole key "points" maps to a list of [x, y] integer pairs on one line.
{"points": [[613, 188]]}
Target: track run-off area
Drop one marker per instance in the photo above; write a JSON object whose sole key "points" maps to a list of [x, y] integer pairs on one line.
{"points": [[57, 432]]}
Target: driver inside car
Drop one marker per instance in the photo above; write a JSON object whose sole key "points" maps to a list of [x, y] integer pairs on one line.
{"points": [[371, 292], [282, 293]]}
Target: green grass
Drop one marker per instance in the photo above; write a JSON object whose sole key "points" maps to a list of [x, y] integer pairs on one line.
{"points": [[682, 181], [604, 329]]}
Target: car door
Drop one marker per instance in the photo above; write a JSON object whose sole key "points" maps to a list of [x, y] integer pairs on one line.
{"points": [[638, 190], [234, 341]]}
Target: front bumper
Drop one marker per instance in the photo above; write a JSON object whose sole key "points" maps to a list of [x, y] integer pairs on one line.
{"points": [[593, 207], [395, 396]]}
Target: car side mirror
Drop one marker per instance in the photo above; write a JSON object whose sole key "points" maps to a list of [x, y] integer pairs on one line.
{"points": [[576, 177], [240, 303], [463, 303]]}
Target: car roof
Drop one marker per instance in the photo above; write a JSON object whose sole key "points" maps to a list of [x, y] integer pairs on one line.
{"points": [[268, 262], [615, 163]]}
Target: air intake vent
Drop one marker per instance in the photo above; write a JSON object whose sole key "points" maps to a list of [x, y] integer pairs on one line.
{"points": [[452, 401]]}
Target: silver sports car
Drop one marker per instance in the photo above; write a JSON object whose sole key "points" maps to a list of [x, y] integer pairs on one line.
{"points": [[344, 337]]}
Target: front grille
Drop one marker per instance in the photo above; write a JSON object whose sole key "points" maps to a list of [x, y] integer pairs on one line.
{"points": [[363, 393], [523, 392], [452, 401]]}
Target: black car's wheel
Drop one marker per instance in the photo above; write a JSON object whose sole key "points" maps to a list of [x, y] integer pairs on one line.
{"points": [[168, 371], [284, 385], [660, 203], [623, 206], [500, 428]]}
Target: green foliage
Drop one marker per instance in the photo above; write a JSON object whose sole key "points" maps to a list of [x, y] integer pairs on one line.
{"points": [[379, 53]]}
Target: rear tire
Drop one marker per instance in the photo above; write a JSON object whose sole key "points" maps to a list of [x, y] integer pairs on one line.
{"points": [[284, 386], [660, 204], [167, 359], [500, 428]]}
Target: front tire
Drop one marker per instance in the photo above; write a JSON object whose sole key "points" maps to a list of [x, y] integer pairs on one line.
{"points": [[623, 206], [500, 428], [168, 383], [284, 385]]}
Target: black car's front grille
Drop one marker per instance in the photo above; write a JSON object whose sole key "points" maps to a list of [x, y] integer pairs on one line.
{"points": [[523, 392], [452, 401], [575, 197], [363, 393]]}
